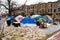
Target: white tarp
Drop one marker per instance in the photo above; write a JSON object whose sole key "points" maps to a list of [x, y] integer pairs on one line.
{"points": [[19, 18], [48, 18]]}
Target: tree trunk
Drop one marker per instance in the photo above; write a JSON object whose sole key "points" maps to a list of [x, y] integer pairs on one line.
{"points": [[9, 11]]}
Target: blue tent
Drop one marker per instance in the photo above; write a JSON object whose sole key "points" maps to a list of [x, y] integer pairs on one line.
{"points": [[10, 17], [28, 20]]}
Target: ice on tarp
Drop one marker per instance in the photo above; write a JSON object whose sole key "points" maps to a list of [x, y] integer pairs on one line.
{"points": [[28, 20]]}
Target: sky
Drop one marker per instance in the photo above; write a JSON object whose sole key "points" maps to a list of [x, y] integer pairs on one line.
{"points": [[29, 2], [37, 1]]}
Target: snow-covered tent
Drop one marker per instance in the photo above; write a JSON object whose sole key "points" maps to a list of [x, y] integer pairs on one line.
{"points": [[48, 18]]}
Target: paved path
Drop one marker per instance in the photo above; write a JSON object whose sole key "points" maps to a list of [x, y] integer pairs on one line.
{"points": [[55, 36]]}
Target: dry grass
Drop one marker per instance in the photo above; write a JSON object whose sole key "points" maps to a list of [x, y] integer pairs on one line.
{"points": [[23, 33]]}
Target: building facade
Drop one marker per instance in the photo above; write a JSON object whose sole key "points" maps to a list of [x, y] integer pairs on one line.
{"points": [[44, 8], [40, 8]]}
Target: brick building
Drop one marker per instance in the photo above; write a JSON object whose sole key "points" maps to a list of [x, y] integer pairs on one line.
{"points": [[52, 7], [40, 8], [44, 8]]}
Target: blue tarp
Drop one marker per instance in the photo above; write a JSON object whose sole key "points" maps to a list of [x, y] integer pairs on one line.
{"points": [[10, 17], [28, 20], [38, 17], [42, 20]]}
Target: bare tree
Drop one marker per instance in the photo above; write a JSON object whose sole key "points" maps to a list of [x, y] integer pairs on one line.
{"points": [[10, 6]]}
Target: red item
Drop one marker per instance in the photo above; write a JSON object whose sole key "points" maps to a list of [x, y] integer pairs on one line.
{"points": [[20, 18]]}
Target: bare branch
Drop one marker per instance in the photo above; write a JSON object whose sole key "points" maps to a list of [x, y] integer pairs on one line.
{"points": [[9, 0], [25, 2], [4, 6], [12, 5]]}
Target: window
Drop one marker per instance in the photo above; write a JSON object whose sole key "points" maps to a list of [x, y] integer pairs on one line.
{"points": [[58, 9], [59, 4], [42, 10], [49, 10], [51, 5], [55, 5], [43, 6], [29, 8], [54, 10], [33, 6]]}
